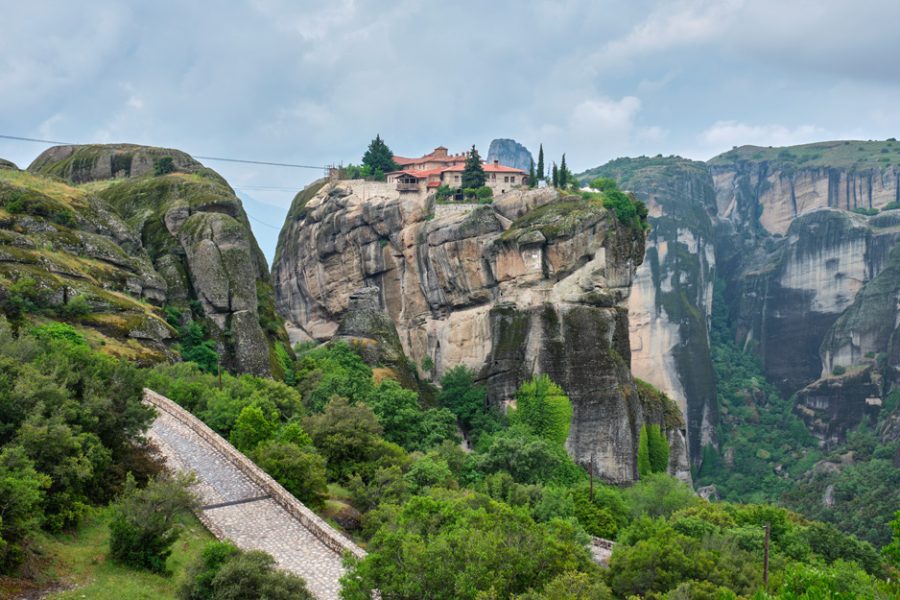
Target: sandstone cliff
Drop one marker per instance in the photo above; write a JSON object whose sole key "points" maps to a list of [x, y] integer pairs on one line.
{"points": [[671, 299], [804, 255], [510, 153], [534, 283], [154, 227]]}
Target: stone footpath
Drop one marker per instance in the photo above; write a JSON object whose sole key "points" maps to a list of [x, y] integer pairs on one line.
{"points": [[249, 518]]}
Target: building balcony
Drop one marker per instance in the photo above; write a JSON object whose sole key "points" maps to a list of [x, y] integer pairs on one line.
{"points": [[407, 187]]}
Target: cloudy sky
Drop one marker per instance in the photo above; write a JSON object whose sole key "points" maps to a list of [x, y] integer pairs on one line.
{"points": [[312, 82]]}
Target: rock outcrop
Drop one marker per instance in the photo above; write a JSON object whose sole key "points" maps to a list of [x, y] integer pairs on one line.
{"points": [[536, 283], [510, 153], [801, 240], [671, 298], [180, 231]]}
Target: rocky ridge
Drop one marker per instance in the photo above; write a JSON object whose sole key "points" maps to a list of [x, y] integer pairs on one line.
{"points": [[535, 283], [510, 153], [801, 239], [132, 229]]}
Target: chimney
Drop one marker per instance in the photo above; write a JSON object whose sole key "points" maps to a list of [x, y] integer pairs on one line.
{"points": [[496, 162]]}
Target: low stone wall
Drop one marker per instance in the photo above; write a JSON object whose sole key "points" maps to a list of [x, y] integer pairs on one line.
{"points": [[310, 520], [443, 210]]}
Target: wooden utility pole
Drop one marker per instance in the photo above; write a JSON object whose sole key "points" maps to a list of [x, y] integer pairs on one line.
{"points": [[766, 559]]}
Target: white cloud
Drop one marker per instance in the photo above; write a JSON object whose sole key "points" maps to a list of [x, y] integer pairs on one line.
{"points": [[723, 135]]}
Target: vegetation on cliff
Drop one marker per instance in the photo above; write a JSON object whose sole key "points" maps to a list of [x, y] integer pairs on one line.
{"points": [[840, 154]]}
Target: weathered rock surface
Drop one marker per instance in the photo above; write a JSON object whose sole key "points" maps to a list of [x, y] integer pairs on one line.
{"points": [[190, 231], [535, 284], [510, 153], [811, 284], [671, 298]]}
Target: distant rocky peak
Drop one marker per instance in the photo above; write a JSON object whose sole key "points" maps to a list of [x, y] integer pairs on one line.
{"points": [[510, 153]]}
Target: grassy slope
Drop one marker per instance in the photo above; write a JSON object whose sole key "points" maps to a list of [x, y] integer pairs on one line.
{"points": [[846, 154], [78, 561]]}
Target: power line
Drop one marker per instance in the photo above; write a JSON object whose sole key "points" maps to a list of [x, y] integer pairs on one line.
{"points": [[219, 158]]}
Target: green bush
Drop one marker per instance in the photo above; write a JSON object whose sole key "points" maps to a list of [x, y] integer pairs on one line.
{"points": [[298, 468], [163, 165], [145, 523], [223, 572], [543, 407], [838, 370]]}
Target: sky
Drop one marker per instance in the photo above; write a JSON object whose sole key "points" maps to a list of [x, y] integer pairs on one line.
{"points": [[313, 82]]}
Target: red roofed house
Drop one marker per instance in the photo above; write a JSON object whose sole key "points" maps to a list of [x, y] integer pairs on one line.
{"points": [[439, 168]]}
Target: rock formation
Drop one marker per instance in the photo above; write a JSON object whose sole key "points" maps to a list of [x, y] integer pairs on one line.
{"points": [[510, 153], [805, 259], [535, 283], [123, 224]]}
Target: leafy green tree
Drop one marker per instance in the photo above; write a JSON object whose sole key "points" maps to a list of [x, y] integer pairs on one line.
{"points": [[405, 423], [225, 573], [379, 157], [540, 165], [22, 491], [163, 165], [473, 172], [198, 582], [145, 522], [457, 544], [195, 346], [659, 494], [299, 469], [468, 401], [527, 457], [544, 408], [891, 552], [571, 585], [347, 435], [333, 370], [604, 184], [253, 426]]}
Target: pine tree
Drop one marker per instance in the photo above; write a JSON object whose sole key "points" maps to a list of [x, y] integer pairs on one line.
{"points": [[473, 173], [379, 158], [554, 177], [563, 173], [532, 178], [540, 165]]}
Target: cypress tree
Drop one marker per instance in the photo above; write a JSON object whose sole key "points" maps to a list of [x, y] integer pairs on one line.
{"points": [[563, 173], [532, 178], [540, 165], [473, 173], [658, 448], [643, 458], [554, 177], [379, 158]]}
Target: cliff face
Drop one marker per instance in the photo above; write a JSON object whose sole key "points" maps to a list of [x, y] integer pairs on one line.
{"points": [[801, 238], [534, 283], [671, 299], [186, 233]]}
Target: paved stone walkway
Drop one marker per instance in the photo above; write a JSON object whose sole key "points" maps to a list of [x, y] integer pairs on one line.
{"points": [[257, 524]]}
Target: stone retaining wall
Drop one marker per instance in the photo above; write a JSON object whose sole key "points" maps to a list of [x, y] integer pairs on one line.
{"points": [[443, 210], [310, 520]]}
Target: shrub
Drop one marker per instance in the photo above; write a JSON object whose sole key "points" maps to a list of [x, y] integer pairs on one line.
{"points": [[77, 306], [543, 407], [299, 469], [144, 525], [838, 370], [59, 332], [223, 572], [163, 165], [484, 192]]}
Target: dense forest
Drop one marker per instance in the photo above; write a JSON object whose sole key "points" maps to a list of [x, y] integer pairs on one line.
{"points": [[509, 519]]}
